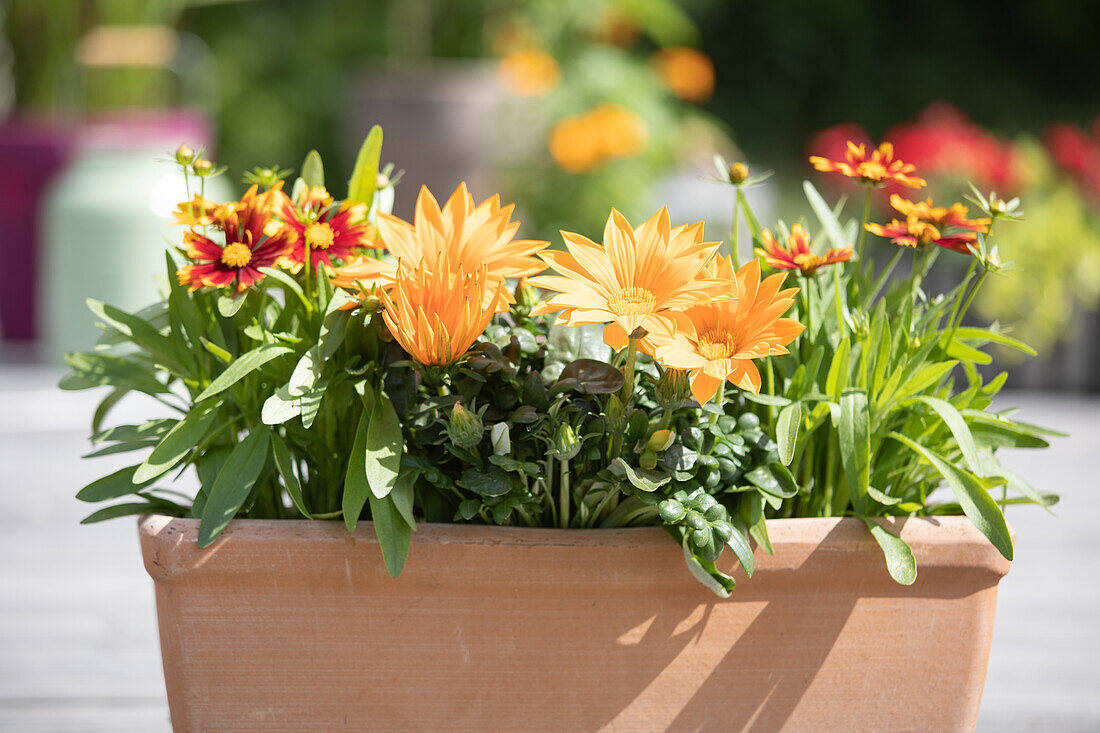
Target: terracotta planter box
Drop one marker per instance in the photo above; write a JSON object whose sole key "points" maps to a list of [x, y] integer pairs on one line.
{"points": [[295, 625]]}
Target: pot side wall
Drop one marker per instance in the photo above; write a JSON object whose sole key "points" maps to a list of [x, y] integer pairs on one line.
{"points": [[295, 625]]}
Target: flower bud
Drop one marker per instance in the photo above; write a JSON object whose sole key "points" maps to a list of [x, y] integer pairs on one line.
{"points": [[566, 445], [671, 511], [202, 167], [184, 155], [672, 388], [660, 440], [526, 297], [465, 428], [738, 173], [997, 205]]}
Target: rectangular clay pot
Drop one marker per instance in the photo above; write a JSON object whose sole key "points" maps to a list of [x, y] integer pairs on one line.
{"points": [[295, 625]]}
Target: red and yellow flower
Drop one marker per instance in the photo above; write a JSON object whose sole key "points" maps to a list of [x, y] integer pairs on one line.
{"points": [[637, 278], [877, 170], [252, 239], [718, 340], [797, 255], [925, 224], [330, 232]]}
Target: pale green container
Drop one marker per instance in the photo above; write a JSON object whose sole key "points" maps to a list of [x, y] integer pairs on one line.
{"points": [[106, 223]]}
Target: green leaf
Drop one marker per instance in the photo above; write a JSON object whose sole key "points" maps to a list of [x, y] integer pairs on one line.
{"points": [[837, 378], [899, 557], [982, 335], [364, 178], [288, 283], [882, 498], [241, 367], [766, 399], [105, 406], [119, 483], [124, 447], [825, 215], [233, 484], [592, 376], [972, 496], [786, 431], [957, 425], [766, 478], [222, 355], [181, 307], [356, 488], [383, 447], [392, 532], [493, 481], [706, 572], [310, 403], [962, 352], [285, 466], [639, 478], [144, 431], [280, 407], [92, 369], [854, 435], [925, 377], [403, 496], [139, 332], [228, 305], [177, 443], [313, 172], [739, 543], [122, 510]]}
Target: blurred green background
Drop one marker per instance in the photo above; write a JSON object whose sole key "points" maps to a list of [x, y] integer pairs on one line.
{"points": [[569, 107]]}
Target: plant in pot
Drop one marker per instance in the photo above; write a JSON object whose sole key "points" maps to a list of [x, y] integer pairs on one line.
{"points": [[561, 431]]}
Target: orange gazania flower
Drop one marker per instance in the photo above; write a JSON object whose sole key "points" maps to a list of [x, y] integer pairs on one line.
{"points": [[471, 235], [331, 232], [253, 239], [952, 216], [877, 170], [638, 278], [688, 72], [798, 256], [530, 72], [436, 312], [718, 340], [915, 232]]}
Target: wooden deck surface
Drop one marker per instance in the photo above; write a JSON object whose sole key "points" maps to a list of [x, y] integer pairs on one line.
{"points": [[78, 639]]}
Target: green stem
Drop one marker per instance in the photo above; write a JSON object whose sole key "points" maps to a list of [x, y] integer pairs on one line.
{"points": [[966, 305], [563, 492], [735, 233], [628, 383], [719, 401], [839, 308], [861, 242]]}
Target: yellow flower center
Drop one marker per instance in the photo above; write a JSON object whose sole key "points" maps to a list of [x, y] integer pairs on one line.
{"points": [[236, 255], [717, 343], [632, 301], [807, 263], [871, 170], [319, 236]]}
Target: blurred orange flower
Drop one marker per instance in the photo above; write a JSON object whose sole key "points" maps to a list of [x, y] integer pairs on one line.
{"points": [[798, 255], [253, 239], [529, 72], [878, 169], [718, 340], [469, 235], [688, 72], [579, 143], [636, 279], [437, 311]]}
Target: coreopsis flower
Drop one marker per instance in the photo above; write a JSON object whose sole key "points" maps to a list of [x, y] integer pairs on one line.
{"points": [[471, 235], [915, 232], [436, 311], [718, 340], [252, 239], [954, 215], [877, 170], [329, 231], [198, 212], [637, 278], [688, 72], [529, 72], [797, 255]]}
